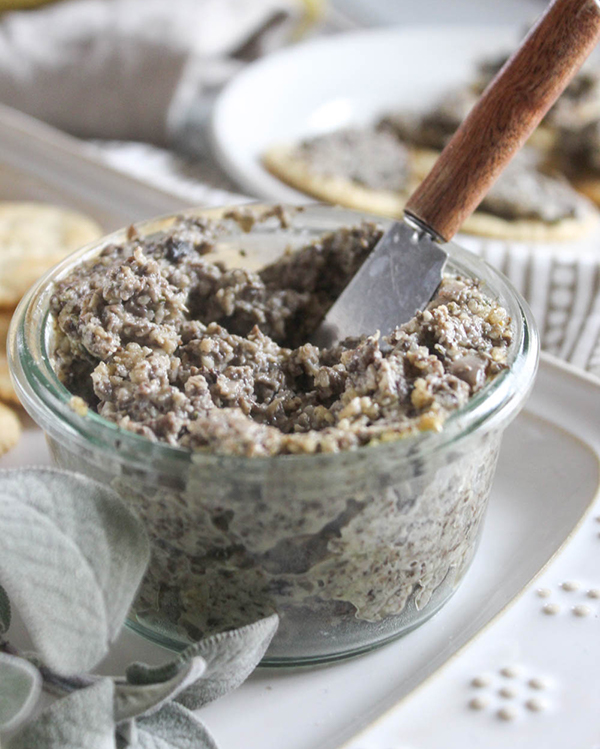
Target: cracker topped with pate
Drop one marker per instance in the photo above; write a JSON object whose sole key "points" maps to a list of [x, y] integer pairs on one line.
{"points": [[578, 153], [427, 133], [363, 168], [547, 194], [376, 168], [578, 105]]}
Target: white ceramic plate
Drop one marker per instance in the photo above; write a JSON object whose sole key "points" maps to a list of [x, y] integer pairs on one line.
{"points": [[328, 83], [547, 478]]}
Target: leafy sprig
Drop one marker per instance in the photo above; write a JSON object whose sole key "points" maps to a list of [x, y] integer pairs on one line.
{"points": [[72, 558]]}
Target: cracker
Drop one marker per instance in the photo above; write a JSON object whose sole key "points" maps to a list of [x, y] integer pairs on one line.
{"points": [[281, 161], [10, 429], [529, 230], [543, 139], [33, 238], [422, 160], [486, 224], [482, 223]]}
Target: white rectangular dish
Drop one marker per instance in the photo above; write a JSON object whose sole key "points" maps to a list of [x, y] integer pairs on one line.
{"points": [[547, 479]]}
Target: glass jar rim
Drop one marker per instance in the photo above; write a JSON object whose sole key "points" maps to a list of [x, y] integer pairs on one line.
{"points": [[50, 403]]}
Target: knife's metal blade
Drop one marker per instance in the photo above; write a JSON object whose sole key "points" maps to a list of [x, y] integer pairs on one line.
{"points": [[399, 277]]}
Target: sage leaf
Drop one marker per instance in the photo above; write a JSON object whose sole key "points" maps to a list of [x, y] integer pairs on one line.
{"points": [[230, 657], [173, 727], [5, 612], [72, 558], [132, 700], [20, 687], [83, 720]]}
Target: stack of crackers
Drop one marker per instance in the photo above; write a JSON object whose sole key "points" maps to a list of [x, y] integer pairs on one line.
{"points": [[33, 238]]}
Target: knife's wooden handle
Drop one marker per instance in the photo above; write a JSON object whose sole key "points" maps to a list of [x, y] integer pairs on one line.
{"points": [[506, 114]]}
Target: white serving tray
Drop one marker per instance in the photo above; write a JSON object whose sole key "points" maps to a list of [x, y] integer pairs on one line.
{"points": [[530, 679], [547, 481]]}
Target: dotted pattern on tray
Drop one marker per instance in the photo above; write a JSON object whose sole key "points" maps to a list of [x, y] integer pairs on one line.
{"points": [[512, 692], [570, 596]]}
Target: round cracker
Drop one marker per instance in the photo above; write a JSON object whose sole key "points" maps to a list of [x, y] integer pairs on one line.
{"points": [[33, 238], [542, 140], [529, 230], [281, 161], [10, 429], [486, 224]]}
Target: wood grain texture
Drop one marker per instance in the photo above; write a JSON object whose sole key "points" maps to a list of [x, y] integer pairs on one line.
{"points": [[506, 115]]}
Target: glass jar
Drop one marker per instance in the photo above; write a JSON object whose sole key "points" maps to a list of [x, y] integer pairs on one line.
{"points": [[351, 549]]}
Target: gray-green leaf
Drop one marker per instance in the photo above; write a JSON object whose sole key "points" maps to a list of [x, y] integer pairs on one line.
{"points": [[132, 700], [5, 612], [72, 558], [230, 656], [20, 687], [173, 727], [83, 720]]}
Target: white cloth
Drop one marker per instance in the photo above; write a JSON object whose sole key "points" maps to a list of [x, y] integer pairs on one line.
{"points": [[124, 69], [193, 179]]}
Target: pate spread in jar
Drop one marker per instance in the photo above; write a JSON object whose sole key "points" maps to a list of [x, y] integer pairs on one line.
{"points": [[166, 341]]}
